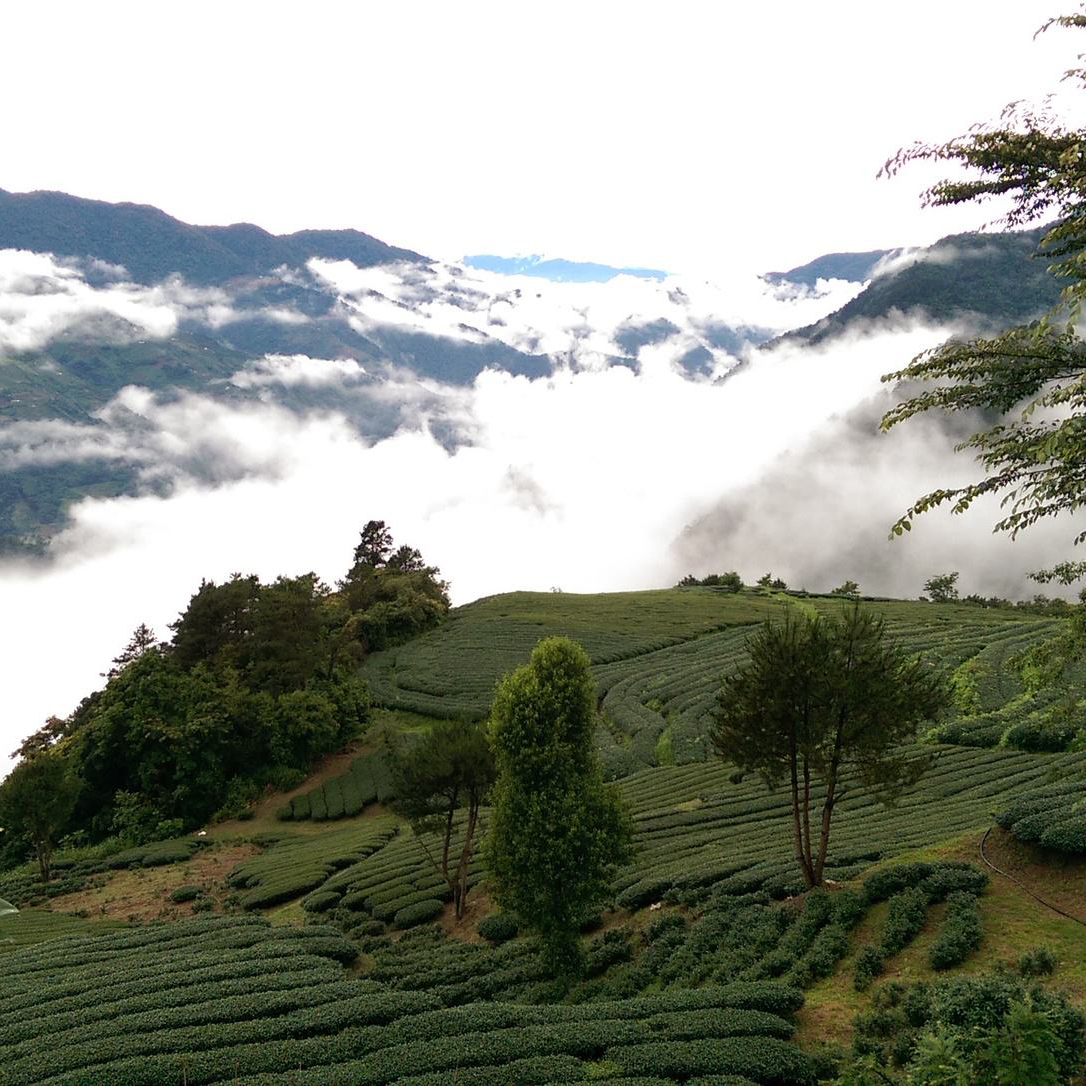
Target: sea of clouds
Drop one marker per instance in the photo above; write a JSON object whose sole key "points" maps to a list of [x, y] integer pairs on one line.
{"points": [[623, 468]]}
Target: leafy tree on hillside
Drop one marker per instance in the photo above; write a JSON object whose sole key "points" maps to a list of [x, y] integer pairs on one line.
{"points": [[36, 800], [846, 588], [216, 623], [285, 648], [557, 832], [730, 581], [179, 738], [52, 731], [142, 639], [374, 544], [1032, 378], [942, 588], [392, 595], [451, 769], [820, 697], [767, 580]]}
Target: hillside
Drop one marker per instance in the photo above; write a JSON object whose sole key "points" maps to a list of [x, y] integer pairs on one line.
{"points": [[855, 267], [312, 941], [996, 280], [152, 245]]}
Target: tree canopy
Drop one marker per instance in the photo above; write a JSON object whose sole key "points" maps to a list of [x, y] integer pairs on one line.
{"points": [[36, 800], [1032, 379], [257, 681], [451, 769], [557, 832], [819, 697]]}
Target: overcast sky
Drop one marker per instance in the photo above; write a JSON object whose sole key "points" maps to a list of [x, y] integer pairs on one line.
{"points": [[691, 136]]}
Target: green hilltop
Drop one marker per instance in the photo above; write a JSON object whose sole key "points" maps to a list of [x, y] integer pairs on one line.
{"points": [[311, 939]]}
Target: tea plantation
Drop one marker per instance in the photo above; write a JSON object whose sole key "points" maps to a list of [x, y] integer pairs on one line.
{"points": [[451, 672], [333, 956]]}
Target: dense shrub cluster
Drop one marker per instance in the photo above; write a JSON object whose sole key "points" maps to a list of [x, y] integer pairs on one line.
{"points": [[185, 893], [158, 853], [960, 933], [498, 927], [910, 890], [1039, 962], [966, 1010], [1053, 816]]}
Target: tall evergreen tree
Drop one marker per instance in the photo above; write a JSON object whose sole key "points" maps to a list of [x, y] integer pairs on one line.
{"points": [[557, 832]]}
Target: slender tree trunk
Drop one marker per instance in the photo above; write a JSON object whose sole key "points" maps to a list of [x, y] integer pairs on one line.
{"points": [[461, 891], [824, 834], [797, 824], [807, 817], [445, 845], [831, 798], [44, 850]]}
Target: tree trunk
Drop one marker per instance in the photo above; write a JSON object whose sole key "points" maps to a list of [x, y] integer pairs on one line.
{"points": [[807, 822], [827, 814], [45, 853], [797, 824], [461, 892], [445, 845]]}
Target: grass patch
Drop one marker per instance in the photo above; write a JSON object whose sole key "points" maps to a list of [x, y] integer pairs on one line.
{"points": [[1013, 924]]}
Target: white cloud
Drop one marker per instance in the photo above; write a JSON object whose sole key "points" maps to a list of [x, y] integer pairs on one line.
{"points": [[582, 479], [579, 322], [42, 297], [297, 369], [945, 253]]}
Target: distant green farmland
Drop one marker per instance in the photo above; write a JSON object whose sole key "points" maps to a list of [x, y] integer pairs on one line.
{"points": [[659, 658]]}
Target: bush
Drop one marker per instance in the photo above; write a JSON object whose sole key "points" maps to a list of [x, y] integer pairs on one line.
{"points": [[970, 1011], [959, 934], [830, 945], [320, 901], [241, 794], [419, 913], [1040, 734], [499, 927], [1039, 962], [905, 918], [185, 893], [868, 966]]}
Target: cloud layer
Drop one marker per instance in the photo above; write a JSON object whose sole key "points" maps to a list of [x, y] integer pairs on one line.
{"points": [[595, 477]]}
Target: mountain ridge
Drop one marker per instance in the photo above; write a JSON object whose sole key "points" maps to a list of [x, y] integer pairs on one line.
{"points": [[151, 245]]}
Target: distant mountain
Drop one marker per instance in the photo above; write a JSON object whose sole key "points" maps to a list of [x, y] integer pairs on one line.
{"points": [[852, 267], [996, 278], [236, 315], [152, 245], [558, 271]]}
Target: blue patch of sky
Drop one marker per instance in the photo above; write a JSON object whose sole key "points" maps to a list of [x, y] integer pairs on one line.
{"points": [[558, 271]]}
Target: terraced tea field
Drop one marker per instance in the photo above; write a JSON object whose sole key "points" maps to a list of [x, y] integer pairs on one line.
{"points": [[704, 955], [451, 671], [658, 704], [36, 926], [699, 833], [232, 1000]]}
